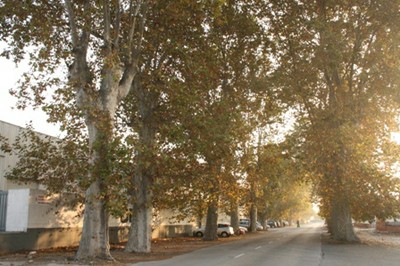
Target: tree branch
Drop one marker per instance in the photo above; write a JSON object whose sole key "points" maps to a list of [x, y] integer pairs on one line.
{"points": [[107, 25], [117, 23], [133, 27], [72, 23], [134, 52]]}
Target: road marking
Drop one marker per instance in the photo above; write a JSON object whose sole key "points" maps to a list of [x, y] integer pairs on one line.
{"points": [[258, 247], [238, 256], [270, 242]]}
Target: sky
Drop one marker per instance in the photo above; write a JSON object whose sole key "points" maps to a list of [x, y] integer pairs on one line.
{"points": [[9, 75]]}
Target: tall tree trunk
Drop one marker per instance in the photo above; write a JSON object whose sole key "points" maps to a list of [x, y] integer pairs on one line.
{"points": [[253, 207], [329, 223], [341, 224], [199, 219], [263, 219], [211, 222], [95, 235], [139, 239], [253, 218], [100, 110], [234, 213]]}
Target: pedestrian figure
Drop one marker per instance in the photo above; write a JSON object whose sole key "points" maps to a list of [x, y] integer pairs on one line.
{"points": [[298, 223]]}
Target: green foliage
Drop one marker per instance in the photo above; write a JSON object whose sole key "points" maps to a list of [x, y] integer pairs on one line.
{"points": [[203, 88], [61, 166]]}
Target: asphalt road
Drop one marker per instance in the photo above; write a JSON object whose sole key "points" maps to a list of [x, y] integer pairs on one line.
{"points": [[283, 247]]}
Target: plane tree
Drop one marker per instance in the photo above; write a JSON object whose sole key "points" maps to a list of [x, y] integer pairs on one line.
{"points": [[99, 44], [132, 153], [264, 114], [339, 62], [236, 59], [174, 29], [205, 107]]}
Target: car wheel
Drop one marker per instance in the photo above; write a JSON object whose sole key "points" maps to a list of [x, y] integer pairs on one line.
{"points": [[199, 234], [224, 234]]}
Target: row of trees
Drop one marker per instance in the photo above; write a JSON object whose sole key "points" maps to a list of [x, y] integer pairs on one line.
{"points": [[339, 61], [167, 104]]}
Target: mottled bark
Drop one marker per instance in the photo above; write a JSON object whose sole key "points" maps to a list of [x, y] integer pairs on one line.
{"points": [[211, 222], [341, 226], [340, 222], [139, 239], [95, 235], [253, 207], [234, 213], [253, 218]]}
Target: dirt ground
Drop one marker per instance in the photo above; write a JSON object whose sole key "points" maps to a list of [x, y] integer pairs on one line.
{"points": [[372, 237], [161, 249]]}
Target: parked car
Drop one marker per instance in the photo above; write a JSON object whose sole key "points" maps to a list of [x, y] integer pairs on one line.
{"points": [[241, 230], [223, 230], [259, 226], [272, 223], [246, 223]]}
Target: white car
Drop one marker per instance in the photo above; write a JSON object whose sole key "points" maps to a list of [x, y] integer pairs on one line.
{"points": [[223, 230]]}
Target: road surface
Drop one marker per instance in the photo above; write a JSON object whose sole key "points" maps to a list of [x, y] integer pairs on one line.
{"points": [[284, 247]]}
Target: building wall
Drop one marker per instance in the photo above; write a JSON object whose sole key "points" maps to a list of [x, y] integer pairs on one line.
{"points": [[44, 212], [44, 238], [166, 225], [34, 221], [32, 208], [8, 161]]}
